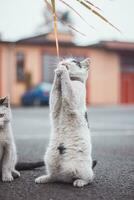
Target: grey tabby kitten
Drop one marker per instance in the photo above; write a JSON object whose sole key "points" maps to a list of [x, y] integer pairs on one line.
{"points": [[8, 156]]}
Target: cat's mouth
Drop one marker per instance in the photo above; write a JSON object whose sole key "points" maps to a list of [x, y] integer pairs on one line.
{"points": [[76, 78]]}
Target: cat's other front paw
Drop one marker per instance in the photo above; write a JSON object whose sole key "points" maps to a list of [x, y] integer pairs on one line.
{"points": [[60, 70]]}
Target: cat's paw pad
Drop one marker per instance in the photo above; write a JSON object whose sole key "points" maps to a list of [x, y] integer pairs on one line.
{"points": [[7, 178], [79, 183]]}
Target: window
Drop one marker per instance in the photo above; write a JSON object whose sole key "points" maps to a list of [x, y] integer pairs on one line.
{"points": [[20, 62], [49, 65]]}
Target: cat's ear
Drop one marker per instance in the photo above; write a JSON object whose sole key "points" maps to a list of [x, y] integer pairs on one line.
{"points": [[86, 63], [5, 101]]}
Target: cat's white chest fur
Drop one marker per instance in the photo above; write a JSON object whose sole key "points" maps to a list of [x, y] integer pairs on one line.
{"points": [[68, 157]]}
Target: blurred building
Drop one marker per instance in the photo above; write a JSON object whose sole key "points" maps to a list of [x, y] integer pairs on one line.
{"points": [[30, 61]]}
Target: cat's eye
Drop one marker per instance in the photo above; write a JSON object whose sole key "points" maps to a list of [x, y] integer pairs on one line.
{"points": [[74, 61], [1, 115], [77, 63]]}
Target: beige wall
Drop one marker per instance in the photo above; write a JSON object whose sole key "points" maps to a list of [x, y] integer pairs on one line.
{"points": [[32, 62], [5, 73], [32, 65], [8, 76], [104, 77]]}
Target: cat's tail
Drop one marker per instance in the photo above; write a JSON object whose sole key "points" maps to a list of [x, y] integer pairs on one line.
{"points": [[94, 164], [33, 165], [20, 166]]}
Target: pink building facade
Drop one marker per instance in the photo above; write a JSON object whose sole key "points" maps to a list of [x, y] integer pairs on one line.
{"points": [[111, 75]]}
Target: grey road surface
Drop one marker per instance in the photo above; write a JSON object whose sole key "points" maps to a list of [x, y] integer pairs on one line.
{"points": [[113, 146]]}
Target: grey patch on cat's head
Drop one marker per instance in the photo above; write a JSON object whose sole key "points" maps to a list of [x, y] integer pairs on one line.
{"points": [[86, 63], [5, 111], [78, 63], [77, 69], [4, 101]]}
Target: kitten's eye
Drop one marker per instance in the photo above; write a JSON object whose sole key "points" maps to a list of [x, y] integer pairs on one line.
{"points": [[1, 115], [74, 61], [77, 63]]}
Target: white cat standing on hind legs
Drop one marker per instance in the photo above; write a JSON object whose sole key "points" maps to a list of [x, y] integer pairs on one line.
{"points": [[68, 157]]}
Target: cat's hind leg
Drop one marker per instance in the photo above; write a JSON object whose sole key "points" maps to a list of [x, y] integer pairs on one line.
{"points": [[84, 176], [44, 179]]}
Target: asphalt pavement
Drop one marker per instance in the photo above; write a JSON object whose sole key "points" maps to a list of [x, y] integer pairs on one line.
{"points": [[113, 146]]}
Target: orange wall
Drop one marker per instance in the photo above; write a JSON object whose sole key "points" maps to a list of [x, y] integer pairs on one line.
{"points": [[104, 77]]}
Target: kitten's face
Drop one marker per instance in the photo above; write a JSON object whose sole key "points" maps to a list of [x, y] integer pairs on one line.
{"points": [[5, 109], [77, 69]]}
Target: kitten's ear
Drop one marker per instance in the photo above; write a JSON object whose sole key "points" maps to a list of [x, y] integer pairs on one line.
{"points": [[86, 63], [5, 101]]}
